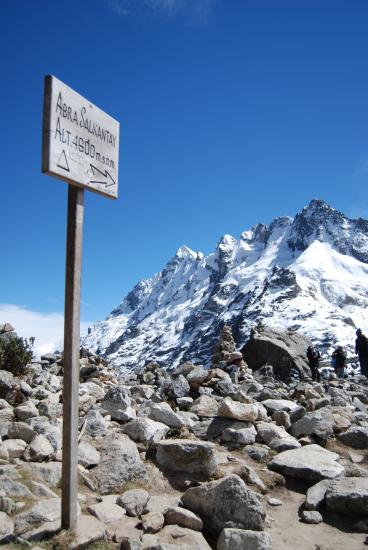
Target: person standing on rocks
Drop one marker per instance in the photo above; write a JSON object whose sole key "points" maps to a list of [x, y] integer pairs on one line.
{"points": [[339, 361], [313, 356], [361, 349]]}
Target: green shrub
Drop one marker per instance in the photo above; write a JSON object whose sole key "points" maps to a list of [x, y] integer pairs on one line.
{"points": [[15, 353]]}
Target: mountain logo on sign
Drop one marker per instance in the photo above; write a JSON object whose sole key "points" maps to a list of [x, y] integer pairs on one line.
{"points": [[63, 162]]}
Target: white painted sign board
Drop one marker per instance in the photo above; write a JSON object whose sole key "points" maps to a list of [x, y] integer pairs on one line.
{"points": [[80, 142]]}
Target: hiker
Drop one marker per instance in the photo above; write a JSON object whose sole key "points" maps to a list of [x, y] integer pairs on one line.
{"points": [[339, 361], [234, 365], [313, 356], [361, 348]]}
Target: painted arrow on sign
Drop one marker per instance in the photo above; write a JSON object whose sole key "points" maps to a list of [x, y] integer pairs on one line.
{"points": [[103, 178]]}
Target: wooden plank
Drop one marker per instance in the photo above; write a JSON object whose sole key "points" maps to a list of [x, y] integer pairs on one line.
{"points": [[71, 357]]}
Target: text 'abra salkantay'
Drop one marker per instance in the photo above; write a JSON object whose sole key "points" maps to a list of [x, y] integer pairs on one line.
{"points": [[81, 119]]}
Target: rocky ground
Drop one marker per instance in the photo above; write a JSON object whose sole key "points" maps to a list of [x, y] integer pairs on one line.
{"points": [[186, 460]]}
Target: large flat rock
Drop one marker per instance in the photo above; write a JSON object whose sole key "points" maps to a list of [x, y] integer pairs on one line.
{"points": [[311, 463]]}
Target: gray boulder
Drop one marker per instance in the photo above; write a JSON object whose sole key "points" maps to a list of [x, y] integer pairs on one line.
{"points": [[205, 406], [311, 462], [21, 430], [116, 402], [180, 387], [241, 433], [145, 430], [318, 423], [96, 425], [197, 376], [187, 456], [226, 503], [276, 437], [356, 437], [162, 412], [44, 511], [39, 449], [119, 463], [133, 501], [316, 494], [87, 454], [295, 411], [348, 496], [284, 350]]}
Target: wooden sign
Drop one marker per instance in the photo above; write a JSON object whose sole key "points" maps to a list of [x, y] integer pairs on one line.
{"points": [[80, 145], [80, 142]]}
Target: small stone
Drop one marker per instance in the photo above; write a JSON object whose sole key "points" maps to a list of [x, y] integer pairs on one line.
{"points": [[87, 455], [145, 430], [162, 412], [312, 517], [39, 449], [27, 410], [107, 512], [282, 418], [355, 457], [134, 501], [274, 501], [12, 448], [257, 451], [184, 518], [152, 522], [238, 411]]}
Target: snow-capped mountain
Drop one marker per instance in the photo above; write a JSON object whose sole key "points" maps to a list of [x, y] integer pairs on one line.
{"points": [[308, 273]]}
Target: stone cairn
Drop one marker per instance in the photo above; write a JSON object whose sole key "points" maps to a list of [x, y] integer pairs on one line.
{"points": [[226, 346]]}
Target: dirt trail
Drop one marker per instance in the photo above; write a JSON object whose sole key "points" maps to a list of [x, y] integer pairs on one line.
{"points": [[288, 532]]}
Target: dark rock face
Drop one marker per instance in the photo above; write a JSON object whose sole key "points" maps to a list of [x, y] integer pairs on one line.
{"points": [[283, 350]]}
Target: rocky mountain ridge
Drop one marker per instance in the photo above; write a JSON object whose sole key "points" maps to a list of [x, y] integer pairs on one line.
{"points": [[308, 273]]}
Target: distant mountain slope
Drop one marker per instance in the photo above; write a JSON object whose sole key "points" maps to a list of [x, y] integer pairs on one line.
{"points": [[309, 273]]}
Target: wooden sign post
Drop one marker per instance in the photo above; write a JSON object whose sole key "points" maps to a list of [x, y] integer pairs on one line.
{"points": [[80, 146]]}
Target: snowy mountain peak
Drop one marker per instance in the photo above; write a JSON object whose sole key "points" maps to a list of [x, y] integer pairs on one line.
{"points": [[309, 272], [185, 252]]}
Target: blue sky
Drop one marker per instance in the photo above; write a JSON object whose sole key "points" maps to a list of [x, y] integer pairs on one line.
{"points": [[232, 112]]}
